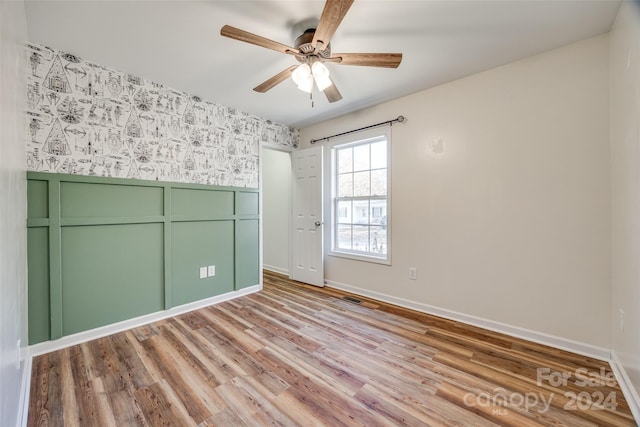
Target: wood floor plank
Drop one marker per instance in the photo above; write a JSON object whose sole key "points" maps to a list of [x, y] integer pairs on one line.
{"points": [[178, 377], [303, 412], [330, 401], [55, 405], [195, 373], [217, 367], [232, 333], [226, 417], [69, 403], [88, 411], [247, 396], [295, 354], [429, 410], [106, 413], [39, 392], [118, 405], [135, 368], [161, 407]]}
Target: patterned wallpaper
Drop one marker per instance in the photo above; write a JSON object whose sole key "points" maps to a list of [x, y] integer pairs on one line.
{"points": [[86, 119]]}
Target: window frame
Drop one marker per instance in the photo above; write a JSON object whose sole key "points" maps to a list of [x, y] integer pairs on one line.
{"points": [[331, 205]]}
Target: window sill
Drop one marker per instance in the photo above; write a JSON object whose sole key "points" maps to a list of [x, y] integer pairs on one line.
{"points": [[364, 258]]}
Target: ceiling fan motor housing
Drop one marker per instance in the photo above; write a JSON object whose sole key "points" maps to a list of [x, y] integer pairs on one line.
{"points": [[303, 44]]}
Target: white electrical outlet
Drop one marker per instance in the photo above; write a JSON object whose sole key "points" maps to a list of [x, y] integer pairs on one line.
{"points": [[413, 273], [621, 315], [203, 272], [211, 270]]}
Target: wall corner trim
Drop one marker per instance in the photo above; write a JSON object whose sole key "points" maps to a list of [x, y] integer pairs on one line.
{"points": [[584, 349], [81, 337], [25, 390], [629, 392]]}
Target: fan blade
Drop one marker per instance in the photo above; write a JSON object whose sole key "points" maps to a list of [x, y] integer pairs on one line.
{"points": [[387, 60], [332, 93], [277, 79], [247, 37], [332, 15]]}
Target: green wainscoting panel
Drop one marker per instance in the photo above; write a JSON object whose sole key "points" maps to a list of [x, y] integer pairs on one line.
{"points": [[248, 203], [38, 265], [79, 199], [199, 244], [189, 202], [248, 250], [110, 273], [38, 206], [103, 250]]}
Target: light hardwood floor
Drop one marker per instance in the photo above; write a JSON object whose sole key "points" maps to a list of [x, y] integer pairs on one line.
{"points": [[297, 355]]}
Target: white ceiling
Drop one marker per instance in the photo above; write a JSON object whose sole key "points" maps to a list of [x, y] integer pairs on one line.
{"points": [[178, 43]]}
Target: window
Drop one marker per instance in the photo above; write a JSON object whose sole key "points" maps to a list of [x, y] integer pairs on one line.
{"points": [[360, 194]]}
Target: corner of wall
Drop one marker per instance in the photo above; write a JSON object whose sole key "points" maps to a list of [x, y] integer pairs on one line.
{"points": [[624, 68], [14, 357]]}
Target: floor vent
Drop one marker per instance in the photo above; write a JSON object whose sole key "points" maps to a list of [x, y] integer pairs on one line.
{"points": [[353, 300]]}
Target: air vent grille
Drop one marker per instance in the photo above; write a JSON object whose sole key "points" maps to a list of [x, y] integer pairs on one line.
{"points": [[351, 299]]}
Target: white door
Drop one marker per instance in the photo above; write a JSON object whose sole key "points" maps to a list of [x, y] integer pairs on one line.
{"points": [[307, 234]]}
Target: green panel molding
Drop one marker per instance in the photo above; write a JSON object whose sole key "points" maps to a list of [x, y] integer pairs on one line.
{"points": [[102, 250], [248, 203], [110, 273], [196, 203], [38, 269], [248, 252], [196, 245], [38, 206], [79, 199]]}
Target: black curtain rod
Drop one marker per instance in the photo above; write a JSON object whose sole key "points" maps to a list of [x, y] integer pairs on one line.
{"points": [[399, 119]]}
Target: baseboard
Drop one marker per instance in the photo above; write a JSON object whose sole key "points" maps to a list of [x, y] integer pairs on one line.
{"points": [[276, 269], [80, 337], [25, 389], [630, 394], [585, 349]]}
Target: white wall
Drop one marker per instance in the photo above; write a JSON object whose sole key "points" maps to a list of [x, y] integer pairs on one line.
{"points": [[13, 210], [276, 209], [625, 184], [512, 222]]}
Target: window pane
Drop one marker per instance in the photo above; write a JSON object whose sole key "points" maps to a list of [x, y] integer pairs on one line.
{"points": [[379, 182], [345, 160], [379, 155], [361, 182], [379, 212], [361, 157], [344, 237], [360, 212], [378, 242], [361, 238], [343, 215], [345, 185]]}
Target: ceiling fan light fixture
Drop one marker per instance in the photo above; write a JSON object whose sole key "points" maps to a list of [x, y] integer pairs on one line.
{"points": [[301, 74], [306, 85], [321, 75]]}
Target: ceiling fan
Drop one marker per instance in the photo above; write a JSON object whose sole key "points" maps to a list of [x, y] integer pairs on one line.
{"points": [[312, 49]]}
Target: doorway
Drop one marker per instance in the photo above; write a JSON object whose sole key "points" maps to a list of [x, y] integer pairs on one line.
{"points": [[276, 209]]}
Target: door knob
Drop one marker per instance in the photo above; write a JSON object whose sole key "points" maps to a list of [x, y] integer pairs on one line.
{"points": [[318, 223]]}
